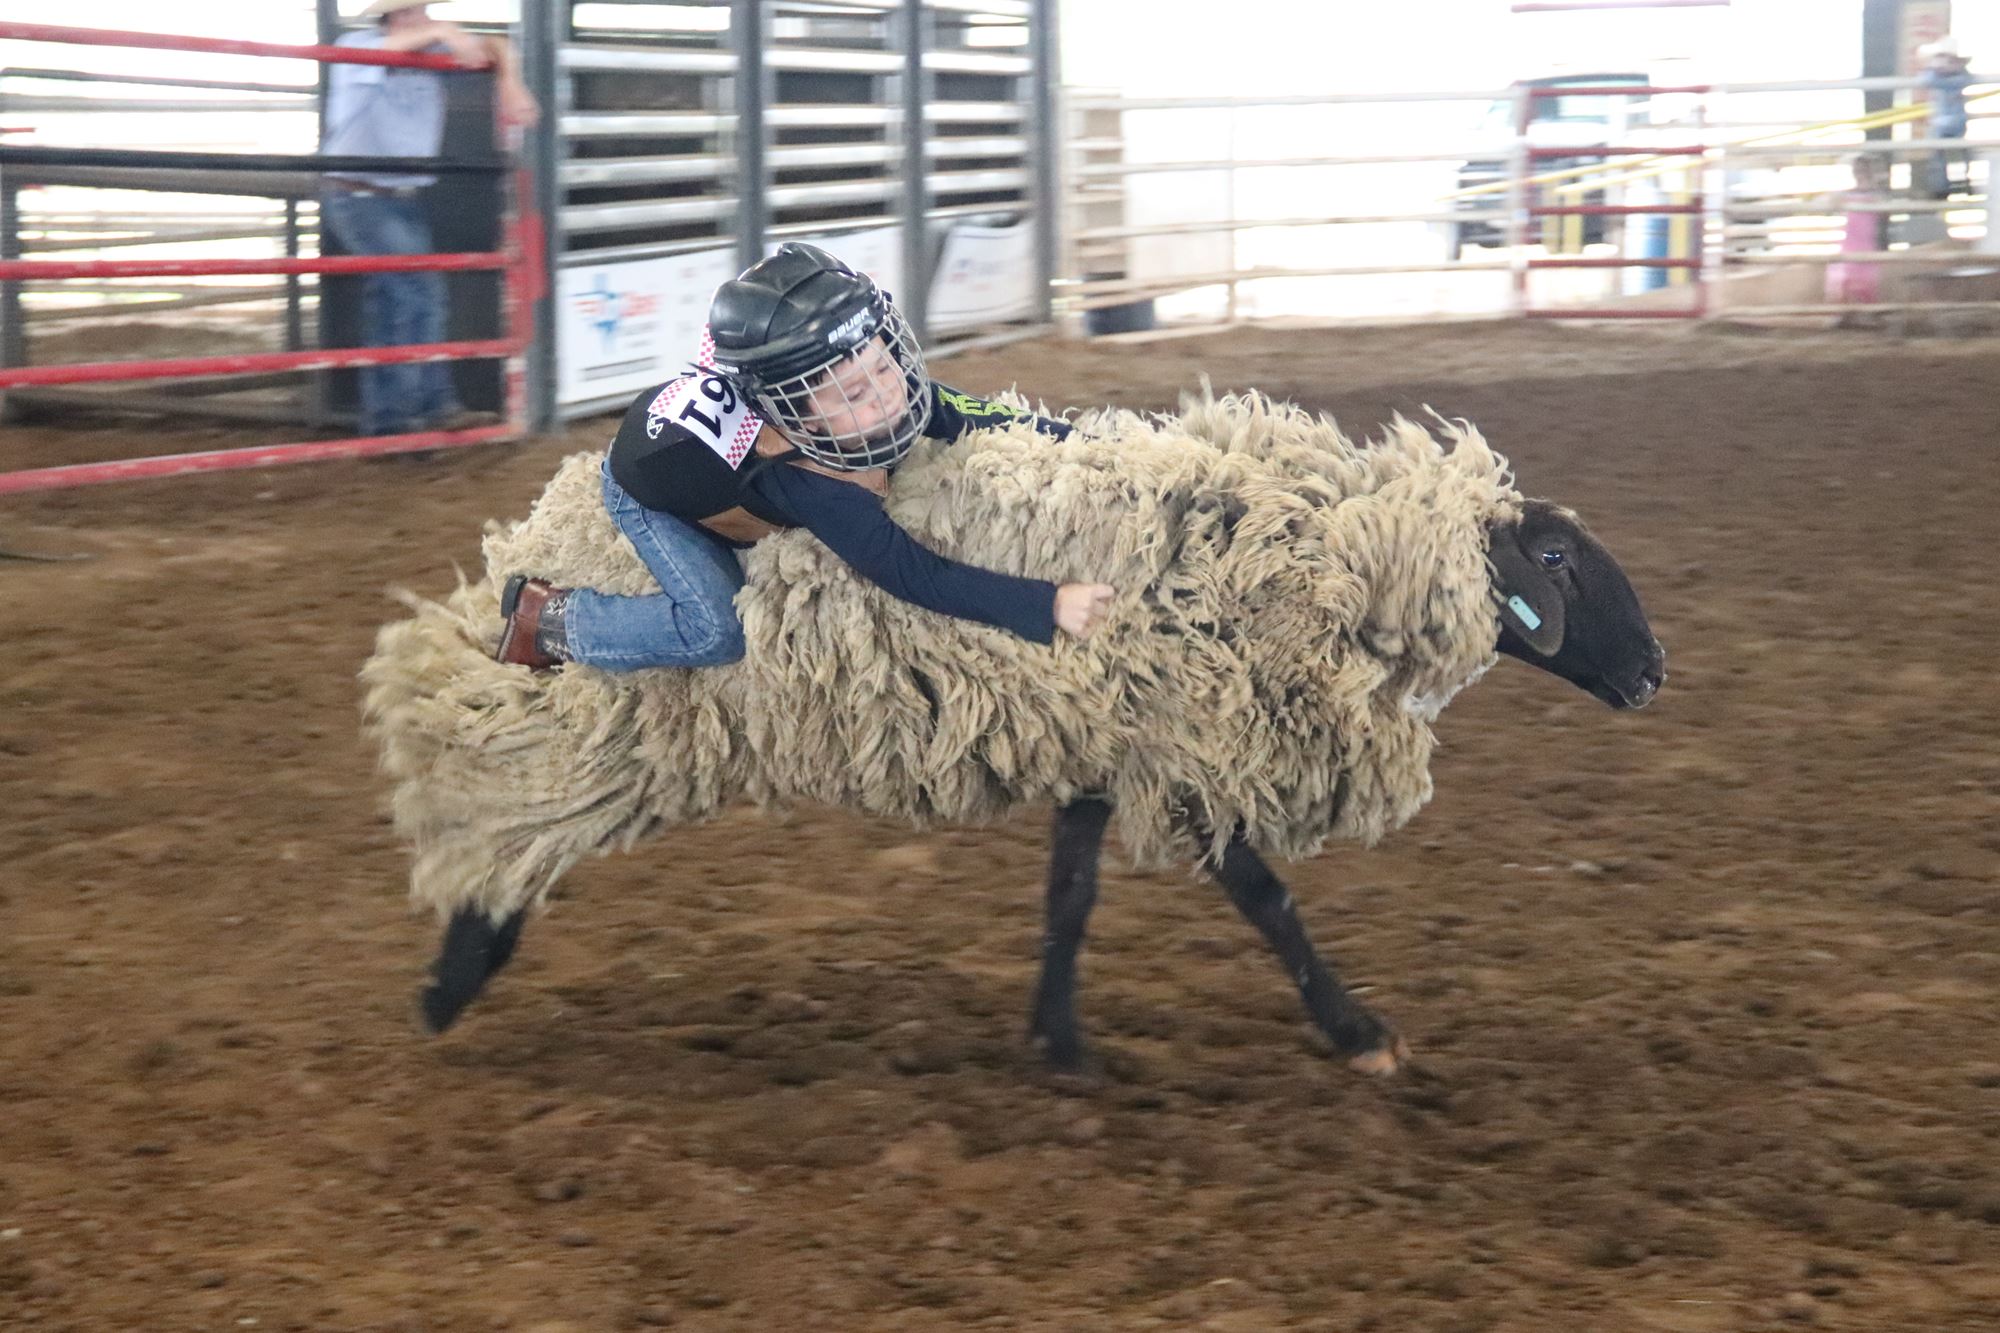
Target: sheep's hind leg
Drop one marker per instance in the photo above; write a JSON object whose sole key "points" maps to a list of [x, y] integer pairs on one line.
{"points": [[1370, 1045], [474, 948], [1079, 835]]}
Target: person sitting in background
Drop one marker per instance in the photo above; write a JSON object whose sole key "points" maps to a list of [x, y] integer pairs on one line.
{"points": [[389, 111], [1944, 79]]}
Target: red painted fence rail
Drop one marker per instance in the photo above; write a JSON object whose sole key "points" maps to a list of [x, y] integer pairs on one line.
{"points": [[520, 265], [250, 363], [163, 41], [32, 269], [229, 460]]}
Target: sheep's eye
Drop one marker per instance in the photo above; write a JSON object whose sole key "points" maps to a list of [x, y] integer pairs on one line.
{"points": [[1553, 559]]}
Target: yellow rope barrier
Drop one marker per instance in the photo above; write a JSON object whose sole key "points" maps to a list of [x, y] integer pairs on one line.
{"points": [[1875, 120], [1656, 164]]}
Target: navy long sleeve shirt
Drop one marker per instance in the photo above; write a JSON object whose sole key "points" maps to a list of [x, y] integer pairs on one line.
{"points": [[855, 526], [666, 466]]}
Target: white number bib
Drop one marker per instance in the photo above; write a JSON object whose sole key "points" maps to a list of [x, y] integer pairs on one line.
{"points": [[709, 408]]}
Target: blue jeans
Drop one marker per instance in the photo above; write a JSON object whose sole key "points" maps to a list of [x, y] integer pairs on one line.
{"points": [[690, 622], [1942, 160], [396, 308]]}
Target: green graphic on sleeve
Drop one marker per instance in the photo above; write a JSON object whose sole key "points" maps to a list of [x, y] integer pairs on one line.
{"points": [[977, 407]]}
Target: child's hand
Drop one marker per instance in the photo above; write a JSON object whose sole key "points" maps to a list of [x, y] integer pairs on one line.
{"points": [[1082, 607]]}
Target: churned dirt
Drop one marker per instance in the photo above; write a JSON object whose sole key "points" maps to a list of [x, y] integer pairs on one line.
{"points": [[1703, 997]]}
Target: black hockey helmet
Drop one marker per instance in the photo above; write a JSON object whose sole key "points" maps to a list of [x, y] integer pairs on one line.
{"points": [[786, 332]]}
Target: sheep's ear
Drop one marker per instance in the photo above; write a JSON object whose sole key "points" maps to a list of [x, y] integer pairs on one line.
{"points": [[1530, 602]]}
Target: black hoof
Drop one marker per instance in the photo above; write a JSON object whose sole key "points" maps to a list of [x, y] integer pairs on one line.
{"points": [[1078, 1071], [1062, 1053], [473, 950], [438, 1009], [1370, 1046], [1383, 1061]]}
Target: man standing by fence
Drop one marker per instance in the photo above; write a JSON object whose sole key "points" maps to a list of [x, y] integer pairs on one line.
{"points": [[384, 111], [1943, 82]]}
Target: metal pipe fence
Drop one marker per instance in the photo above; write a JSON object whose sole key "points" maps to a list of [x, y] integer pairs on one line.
{"points": [[703, 131], [1664, 189], [34, 163], [684, 152]]}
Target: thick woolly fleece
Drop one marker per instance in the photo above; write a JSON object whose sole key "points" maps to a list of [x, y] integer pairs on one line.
{"points": [[1292, 612]]}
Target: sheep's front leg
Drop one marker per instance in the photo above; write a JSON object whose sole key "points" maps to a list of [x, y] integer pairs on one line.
{"points": [[1372, 1047], [1079, 835], [474, 948]]}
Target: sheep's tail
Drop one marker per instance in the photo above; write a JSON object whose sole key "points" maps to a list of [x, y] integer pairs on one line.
{"points": [[503, 778]]}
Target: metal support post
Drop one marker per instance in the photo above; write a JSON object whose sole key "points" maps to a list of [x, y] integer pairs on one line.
{"points": [[319, 396], [326, 22], [1881, 36], [1235, 236], [916, 181], [13, 337], [1706, 175], [1517, 198], [1044, 77], [295, 330], [752, 93], [543, 23]]}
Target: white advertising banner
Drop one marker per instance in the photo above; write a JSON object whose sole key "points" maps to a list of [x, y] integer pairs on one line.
{"points": [[878, 252], [622, 327], [985, 274]]}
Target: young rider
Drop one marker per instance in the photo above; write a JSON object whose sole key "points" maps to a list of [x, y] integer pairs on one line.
{"points": [[808, 391]]}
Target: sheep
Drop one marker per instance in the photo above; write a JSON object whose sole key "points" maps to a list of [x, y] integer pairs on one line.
{"points": [[1294, 611]]}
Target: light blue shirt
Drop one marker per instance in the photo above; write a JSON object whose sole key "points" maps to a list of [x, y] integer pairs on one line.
{"points": [[380, 111], [1947, 91]]}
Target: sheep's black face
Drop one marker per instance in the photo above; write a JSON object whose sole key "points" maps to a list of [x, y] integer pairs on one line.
{"points": [[1568, 608]]}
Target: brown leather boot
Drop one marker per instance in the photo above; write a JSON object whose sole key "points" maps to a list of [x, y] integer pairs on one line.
{"points": [[528, 640]]}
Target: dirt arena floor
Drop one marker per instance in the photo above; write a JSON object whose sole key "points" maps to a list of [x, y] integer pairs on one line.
{"points": [[1703, 997]]}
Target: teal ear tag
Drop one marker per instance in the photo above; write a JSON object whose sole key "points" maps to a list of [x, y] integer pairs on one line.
{"points": [[1525, 612]]}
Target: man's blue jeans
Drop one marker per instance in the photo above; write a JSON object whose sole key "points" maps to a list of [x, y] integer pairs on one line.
{"points": [[396, 308], [690, 622], [1940, 165]]}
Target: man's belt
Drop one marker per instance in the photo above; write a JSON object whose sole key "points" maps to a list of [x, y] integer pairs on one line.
{"points": [[363, 187]]}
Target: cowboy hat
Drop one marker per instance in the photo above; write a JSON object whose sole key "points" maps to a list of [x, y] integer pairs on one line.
{"points": [[1943, 46], [381, 7]]}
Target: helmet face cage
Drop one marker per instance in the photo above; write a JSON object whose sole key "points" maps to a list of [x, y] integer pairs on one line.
{"points": [[863, 407]]}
